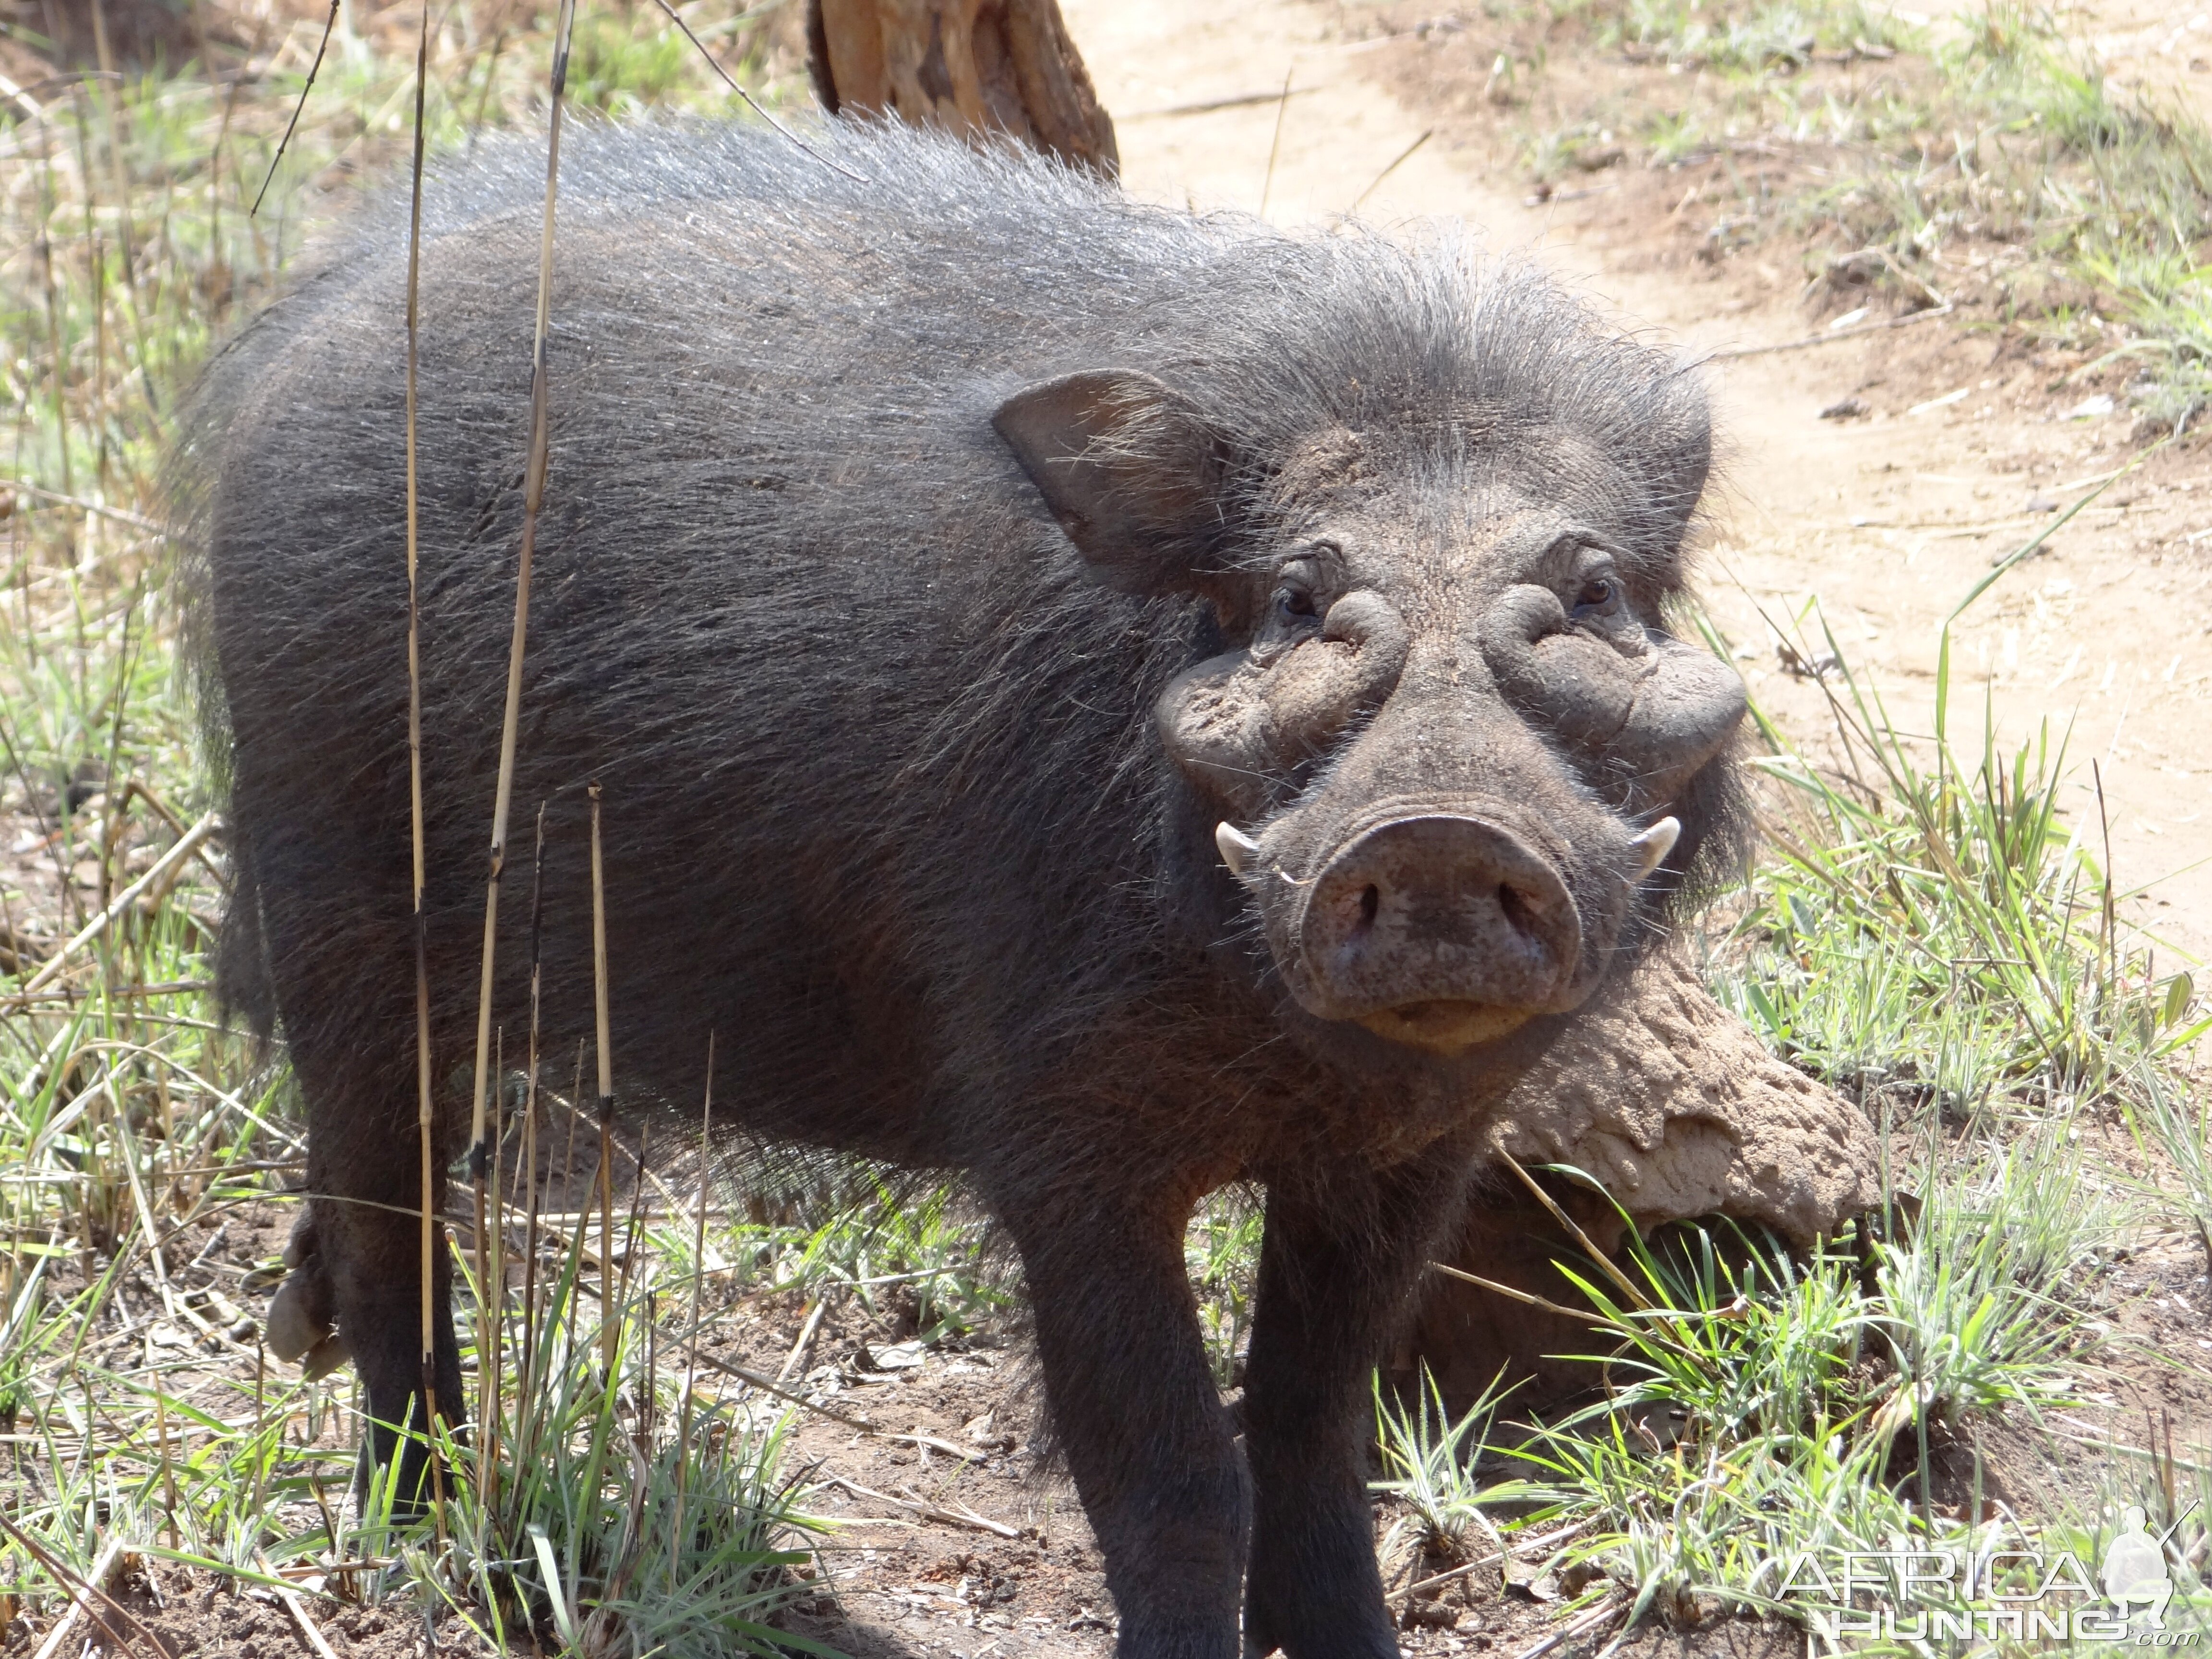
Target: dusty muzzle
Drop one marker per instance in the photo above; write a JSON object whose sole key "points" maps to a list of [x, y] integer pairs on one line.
{"points": [[1438, 929], [1441, 929]]}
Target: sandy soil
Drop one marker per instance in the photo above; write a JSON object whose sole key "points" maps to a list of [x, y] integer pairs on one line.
{"points": [[948, 1534], [2159, 45]]}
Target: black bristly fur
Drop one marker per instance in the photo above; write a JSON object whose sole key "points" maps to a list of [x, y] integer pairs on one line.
{"points": [[884, 807]]}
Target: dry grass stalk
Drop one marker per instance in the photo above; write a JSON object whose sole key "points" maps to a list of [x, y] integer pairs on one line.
{"points": [[1275, 145], [296, 1605], [530, 1110], [67, 1634], [950, 1513], [533, 500], [480, 1159], [157, 876], [168, 1467], [632, 1251], [91, 1588], [606, 1096], [424, 1113], [315, 69], [751, 103], [698, 1286], [813, 1323], [491, 1295]]}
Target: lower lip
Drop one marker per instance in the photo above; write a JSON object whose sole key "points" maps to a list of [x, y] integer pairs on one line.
{"points": [[1449, 1028]]}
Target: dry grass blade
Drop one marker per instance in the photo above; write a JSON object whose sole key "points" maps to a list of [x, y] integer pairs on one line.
{"points": [[715, 63], [492, 1280], [21, 99], [425, 1100], [607, 1310], [698, 1287], [155, 876], [91, 1588], [962, 1516], [1396, 162], [295, 1607], [769, 1386], [1604, 1263], [1582, 1626], [1276, 147], [59, 1638], [1525, 1548], [813, 1323], [97, 509], [1526, 1298], [504, 795], [329, 23], [1832, 336], [533, 501], [530, 1100]]}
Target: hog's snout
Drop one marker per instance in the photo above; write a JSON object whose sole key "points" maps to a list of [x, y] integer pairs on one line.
{"points": [[1441, 930]]}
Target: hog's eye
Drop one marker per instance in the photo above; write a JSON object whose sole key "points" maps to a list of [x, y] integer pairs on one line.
{"points": [[1295, 604], [1600, 596]]}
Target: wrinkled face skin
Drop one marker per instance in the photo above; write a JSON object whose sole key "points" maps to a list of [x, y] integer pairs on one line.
{"points": [[1443, 749]]}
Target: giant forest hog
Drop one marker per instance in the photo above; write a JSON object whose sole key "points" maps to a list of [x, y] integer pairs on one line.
{"points": [[1109, 702]]}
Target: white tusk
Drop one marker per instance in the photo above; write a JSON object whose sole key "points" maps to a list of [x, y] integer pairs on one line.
{"points": [[1237, 848], [1652, 846]]}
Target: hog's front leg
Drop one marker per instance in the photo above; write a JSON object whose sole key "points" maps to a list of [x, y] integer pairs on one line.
{"points": [[1151, 1448], [1337, 1269]]}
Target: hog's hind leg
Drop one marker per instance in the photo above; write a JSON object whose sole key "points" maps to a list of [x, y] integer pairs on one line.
{"points": [[361, 1254], [1337, 1267]]}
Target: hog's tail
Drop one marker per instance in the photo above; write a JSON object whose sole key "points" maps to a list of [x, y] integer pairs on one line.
{"points": [[244, 987]]}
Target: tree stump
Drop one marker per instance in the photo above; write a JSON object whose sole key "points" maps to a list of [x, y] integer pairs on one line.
{"points": [[969, 66], [1675, 1107]]}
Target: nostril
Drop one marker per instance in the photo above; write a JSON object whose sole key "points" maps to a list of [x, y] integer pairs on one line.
{"points": [[1370, 902], [1519, 911]]}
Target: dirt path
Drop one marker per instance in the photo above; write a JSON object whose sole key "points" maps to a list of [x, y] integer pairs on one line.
{"points": [[2159, 46], [1883, 523]]}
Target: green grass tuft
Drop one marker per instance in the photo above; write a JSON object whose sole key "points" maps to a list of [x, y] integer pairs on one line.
{"points": [[1930, 931], [1936, 939], [2089, 207]]}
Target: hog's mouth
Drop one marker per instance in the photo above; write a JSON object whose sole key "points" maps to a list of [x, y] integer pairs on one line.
{"points": [[1447, 1027]]}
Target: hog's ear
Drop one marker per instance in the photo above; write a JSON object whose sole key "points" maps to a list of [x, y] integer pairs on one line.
{"points": [[1130, 469]]}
